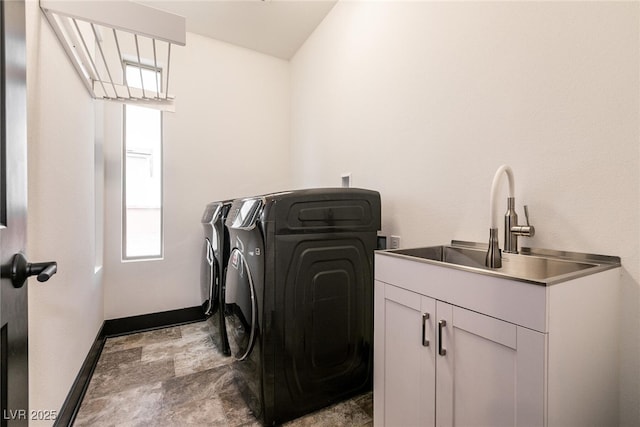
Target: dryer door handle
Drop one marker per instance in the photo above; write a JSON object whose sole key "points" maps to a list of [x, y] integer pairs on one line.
{"points": [[209, 252]]}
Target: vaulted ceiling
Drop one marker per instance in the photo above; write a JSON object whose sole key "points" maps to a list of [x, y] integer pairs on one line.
{"points": [[276, 27]]}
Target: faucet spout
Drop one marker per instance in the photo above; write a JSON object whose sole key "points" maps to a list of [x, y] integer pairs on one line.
{"points": [[494, 255], [493, 202], [511, 228]]}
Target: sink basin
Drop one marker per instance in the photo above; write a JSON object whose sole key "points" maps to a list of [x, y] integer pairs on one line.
{"points": [[448, 254], [543, 266]]}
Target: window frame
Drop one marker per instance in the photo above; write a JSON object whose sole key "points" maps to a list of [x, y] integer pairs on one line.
{"points": [[123, 239]]}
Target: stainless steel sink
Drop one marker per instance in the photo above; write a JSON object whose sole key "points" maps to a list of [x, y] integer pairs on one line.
{"points": [[531, 265], [448, 254]]}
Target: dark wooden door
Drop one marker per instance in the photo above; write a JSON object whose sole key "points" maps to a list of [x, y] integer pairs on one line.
{"points": [[14, 375]]}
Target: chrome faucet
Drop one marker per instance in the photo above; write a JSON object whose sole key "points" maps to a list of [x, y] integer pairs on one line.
{"points": [[511, 228]]}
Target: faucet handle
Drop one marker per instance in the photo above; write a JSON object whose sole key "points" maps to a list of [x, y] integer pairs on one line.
{"points": [[524, 230]]}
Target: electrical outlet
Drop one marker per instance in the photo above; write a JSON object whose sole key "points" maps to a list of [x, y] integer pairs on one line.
{"points": [[394, 242]]}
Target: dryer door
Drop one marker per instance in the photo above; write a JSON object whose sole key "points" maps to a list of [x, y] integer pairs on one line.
{"points": [[240, 306]]}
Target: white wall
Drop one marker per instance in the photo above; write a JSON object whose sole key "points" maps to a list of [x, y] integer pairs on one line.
{"points": [[424, 100], [66, 312], [228, 138]]}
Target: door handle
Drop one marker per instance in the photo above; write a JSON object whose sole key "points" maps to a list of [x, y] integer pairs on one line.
{"points": [[20, 269], [441, 351], [425, 341]]}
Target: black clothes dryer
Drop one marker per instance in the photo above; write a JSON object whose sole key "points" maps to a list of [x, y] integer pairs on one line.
{"points": [[215, 256], [299, 298]]}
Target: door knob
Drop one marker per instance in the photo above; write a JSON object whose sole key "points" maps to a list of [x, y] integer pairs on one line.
{"points": [[20, 269]]}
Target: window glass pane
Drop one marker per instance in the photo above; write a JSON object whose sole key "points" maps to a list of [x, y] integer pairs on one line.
{"points": [[150, 77], [143, 182]]}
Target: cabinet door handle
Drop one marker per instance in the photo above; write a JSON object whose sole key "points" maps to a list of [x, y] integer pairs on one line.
{"points": [[425, 341], [441, 351]]}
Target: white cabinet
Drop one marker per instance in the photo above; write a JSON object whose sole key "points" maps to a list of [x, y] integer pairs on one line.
{"points": [[443, 363], [409, 358], [454, 348], [489, 372]]}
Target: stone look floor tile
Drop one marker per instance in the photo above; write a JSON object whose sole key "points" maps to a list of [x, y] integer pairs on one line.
{"points": [[200, 356], [195, 329], [365, 401], [141, 339], [177, 377], [110, 361], [198, 386], [199, 344], [168, 350], [137, 405], [193, 400], [347, 413], [193, 352], [129, 375], [235, 408]]}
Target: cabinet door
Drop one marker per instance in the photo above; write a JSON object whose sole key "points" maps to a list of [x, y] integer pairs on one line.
{"points": [[404, 373], [489, 372]]}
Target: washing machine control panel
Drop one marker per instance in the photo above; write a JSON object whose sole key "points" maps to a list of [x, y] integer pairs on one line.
{"points": [[210, 212], [244, 214]]}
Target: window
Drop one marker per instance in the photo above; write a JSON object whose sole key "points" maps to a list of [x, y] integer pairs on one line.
{"points": [[142, 172]]}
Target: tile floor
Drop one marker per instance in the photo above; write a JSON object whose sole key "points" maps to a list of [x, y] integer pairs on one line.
{"points": [[176, 377]]}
